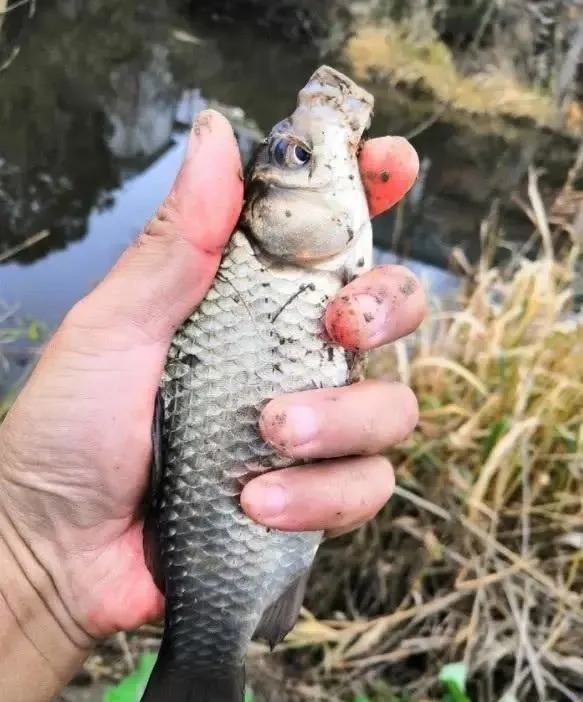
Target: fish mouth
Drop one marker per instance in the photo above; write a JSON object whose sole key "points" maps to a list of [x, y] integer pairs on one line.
{"points": [[259, 189], [263, 183]]}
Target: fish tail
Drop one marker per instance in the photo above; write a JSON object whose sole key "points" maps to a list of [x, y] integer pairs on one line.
{"points": [[168, 684]]}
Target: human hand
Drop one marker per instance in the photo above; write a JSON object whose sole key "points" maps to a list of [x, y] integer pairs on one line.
{"points": [[75, 447]]}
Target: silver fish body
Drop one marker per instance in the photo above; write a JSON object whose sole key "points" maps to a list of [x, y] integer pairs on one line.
{"points": [[259, 333]]}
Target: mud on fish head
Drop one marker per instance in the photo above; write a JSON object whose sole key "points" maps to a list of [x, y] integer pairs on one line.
{"points": [[304, 200]]}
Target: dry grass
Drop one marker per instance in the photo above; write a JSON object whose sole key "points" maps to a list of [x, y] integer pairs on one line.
{"points": [[391, 52]]}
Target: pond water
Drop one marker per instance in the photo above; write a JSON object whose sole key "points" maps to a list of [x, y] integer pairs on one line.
{"points": [[94, 113]]}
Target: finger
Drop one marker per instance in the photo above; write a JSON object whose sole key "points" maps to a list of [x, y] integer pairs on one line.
{"points": [[361, 419], [389, 167], [160, 279], [328, 496], [380, 306]]}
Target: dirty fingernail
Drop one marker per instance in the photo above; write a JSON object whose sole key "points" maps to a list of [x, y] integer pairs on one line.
{"points": [[265, 499], [200, 127]]}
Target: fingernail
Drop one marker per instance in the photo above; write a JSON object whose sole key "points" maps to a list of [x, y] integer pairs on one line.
{"points": [[202, 124], [266, 499], [291, 426]]}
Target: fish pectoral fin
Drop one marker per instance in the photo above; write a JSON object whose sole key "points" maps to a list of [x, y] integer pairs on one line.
{"points": [[281, 616], [150, 536]]}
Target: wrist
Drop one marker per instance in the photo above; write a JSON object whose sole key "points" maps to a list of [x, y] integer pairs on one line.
{"points": [[42, 646]]}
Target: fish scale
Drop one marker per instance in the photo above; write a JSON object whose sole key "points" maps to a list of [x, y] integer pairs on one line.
{"points": [[258, 334], [223, 364]]}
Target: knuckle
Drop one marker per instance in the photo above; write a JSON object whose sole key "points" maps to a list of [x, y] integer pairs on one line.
{"points": [[165, 224]]}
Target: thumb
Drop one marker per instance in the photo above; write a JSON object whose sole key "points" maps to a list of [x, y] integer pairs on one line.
{"points": [[166, 272]]}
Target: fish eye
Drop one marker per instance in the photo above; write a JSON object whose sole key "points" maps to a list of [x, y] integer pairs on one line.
{"points": [[300, 155], [289, 154]]}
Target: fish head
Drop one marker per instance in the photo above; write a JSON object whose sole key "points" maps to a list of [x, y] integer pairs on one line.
{"points": [[304, 197]]}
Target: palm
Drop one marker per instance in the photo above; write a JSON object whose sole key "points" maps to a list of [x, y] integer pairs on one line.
{"points": [[109, 437], [128, 596]]}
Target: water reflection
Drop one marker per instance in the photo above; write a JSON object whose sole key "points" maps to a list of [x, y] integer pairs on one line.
{"points": [[55, 166], [90, 110]]}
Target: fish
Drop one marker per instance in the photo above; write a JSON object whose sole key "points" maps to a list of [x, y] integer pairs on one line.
{"points": [[304, 232]]}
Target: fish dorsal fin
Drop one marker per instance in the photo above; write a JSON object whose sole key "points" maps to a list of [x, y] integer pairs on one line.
{"points": [[281, 616], [150, 539]]}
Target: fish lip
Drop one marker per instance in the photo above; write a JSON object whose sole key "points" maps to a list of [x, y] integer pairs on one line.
{"points": [[275, 183]]}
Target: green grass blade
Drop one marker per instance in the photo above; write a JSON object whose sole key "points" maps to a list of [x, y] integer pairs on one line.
{"points": [[132, 687]]}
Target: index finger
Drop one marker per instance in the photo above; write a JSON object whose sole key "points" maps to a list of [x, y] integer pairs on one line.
{"points": [[389, 168]]}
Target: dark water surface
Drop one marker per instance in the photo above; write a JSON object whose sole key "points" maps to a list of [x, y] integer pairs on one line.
{"points": [[93, 121]]}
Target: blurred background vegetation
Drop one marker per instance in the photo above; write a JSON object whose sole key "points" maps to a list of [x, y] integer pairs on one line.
{"points": [[478, 558]]}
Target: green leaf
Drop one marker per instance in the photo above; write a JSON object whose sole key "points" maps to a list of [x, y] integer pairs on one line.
{"points": [[455, 673], [34, 331], [361, 698], [132, 687], [431, 402], [249, 696], [453, 678]]}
